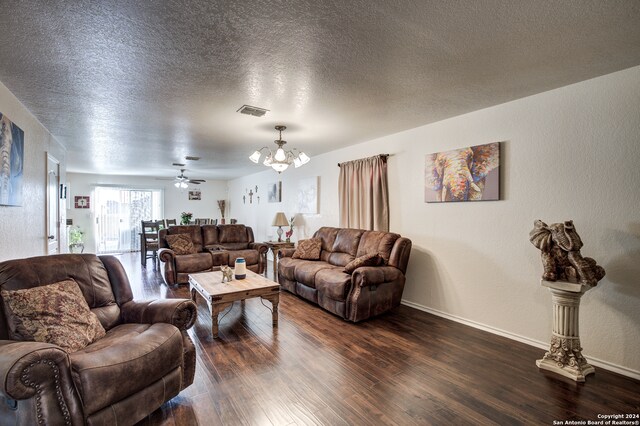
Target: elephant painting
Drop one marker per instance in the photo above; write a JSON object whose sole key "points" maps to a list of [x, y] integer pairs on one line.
{"points": [[11, 153], [560, 246], [461, 174]]}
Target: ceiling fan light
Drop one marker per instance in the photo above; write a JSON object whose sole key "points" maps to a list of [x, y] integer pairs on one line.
{"points": [[255, 157], [304, 158]]}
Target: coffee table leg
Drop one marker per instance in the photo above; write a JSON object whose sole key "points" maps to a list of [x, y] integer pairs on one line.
{"points": [[215, 310], [274, 299]]}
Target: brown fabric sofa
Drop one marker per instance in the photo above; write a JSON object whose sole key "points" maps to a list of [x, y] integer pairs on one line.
{"points": [[145, 359], [368, 291], [215, 245]]}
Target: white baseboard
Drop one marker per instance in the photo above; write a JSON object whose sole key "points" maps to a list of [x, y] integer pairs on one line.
{"points": [[628, 372]]}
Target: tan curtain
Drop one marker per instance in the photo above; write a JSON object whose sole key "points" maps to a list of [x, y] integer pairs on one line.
{"points": [[363, 194]]}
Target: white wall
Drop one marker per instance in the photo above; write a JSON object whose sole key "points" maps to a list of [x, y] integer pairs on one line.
{"points": [[570, 153], [175, 201], [23, 228]]}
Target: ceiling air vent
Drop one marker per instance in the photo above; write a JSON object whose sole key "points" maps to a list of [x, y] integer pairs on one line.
{"points": [[251, 110]]}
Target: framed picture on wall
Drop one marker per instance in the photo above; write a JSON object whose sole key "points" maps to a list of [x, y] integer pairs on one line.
{"points": [[308, 195], [195, 195], [274, 194], [82, 202], [12, 149], [464, 174]]}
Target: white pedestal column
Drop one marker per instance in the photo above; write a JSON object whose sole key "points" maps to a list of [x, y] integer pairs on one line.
{"points": [[565, 354]]}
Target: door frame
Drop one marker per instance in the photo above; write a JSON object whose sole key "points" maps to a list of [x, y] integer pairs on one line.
{"points": [[52, 236]]}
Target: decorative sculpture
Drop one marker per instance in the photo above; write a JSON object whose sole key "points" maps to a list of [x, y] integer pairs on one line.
{"points": [[227, 273], [568, 276], [560, 246]]}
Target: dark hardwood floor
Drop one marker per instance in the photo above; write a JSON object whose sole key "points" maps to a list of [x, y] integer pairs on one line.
{"points": [[405, 368]]}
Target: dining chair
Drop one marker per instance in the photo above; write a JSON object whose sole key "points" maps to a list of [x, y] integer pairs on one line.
{"points": [[202, 221], [169, 222], [149, 247]]}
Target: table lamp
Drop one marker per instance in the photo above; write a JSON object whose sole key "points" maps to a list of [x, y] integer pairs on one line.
{"points": [[280, 220]]}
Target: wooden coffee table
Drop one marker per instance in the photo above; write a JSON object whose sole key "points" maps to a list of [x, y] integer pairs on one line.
{"points": [[221, 295]]}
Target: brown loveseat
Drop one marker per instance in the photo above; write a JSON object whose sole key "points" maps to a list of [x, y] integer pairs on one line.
{"points": [[367, 291], [215, 245], [145, 358]]}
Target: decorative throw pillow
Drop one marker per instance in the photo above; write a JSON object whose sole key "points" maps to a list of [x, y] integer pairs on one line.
{"points": [[180, 243], [308, 249], [366, 260], [56, 313]]}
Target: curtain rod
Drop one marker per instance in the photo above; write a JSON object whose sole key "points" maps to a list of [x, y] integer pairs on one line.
{"points": [[384, 158]]}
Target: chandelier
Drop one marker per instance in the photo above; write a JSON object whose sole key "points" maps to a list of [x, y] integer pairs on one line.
{"points": [[281, 159]]}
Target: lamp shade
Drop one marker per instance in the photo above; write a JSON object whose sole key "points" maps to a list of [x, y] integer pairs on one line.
{"points": [[280, 220]]}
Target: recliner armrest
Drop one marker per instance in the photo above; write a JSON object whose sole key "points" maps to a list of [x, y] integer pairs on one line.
{"points": [[374, 275], [286, 252], [179, 312], [262, 248], [166, 255], [42, 371]]}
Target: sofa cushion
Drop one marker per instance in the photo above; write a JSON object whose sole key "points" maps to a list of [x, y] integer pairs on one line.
{"points": [[55, 313], [345, 246], [209, 235], [85, 269], [129, 358], [232, 234], [333, 283], [287, 267], [235, 246], [308, 249], [377, 242], [306, 272], [180, 244], [365, 260], [194, 230], [196, 262], [251, 257]]}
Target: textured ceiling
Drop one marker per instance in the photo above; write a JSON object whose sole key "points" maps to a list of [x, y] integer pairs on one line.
{"points": [[131, 86]]}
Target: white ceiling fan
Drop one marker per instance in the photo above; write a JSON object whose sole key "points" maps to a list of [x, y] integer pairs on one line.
{"points": [[182, 181]]}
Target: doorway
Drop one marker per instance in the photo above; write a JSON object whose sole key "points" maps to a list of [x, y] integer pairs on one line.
{"points": [[119, 212]]}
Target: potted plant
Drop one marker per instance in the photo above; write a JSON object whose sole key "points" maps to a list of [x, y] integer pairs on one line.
{"points": [[76, 240], [185, 218]]}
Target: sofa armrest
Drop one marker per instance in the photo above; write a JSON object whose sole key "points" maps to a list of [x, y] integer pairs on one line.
{"points": [[286, 252], [262, 248], [373, 275], [179, 312], [167, 255], [40, 370]]}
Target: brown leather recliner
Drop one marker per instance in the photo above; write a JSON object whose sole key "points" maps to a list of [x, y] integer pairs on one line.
{"points": [[356, 296], [145, 359], [215, 245]]}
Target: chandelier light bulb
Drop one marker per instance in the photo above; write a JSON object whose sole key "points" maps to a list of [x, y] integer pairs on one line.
{"points": [[268, 160], [280, 155], [297, 163]]}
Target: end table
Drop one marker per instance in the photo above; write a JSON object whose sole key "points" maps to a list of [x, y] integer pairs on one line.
{"points": [[275, 248]]}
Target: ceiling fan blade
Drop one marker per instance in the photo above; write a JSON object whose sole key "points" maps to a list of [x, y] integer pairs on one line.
{"points": [[195, 182]]}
